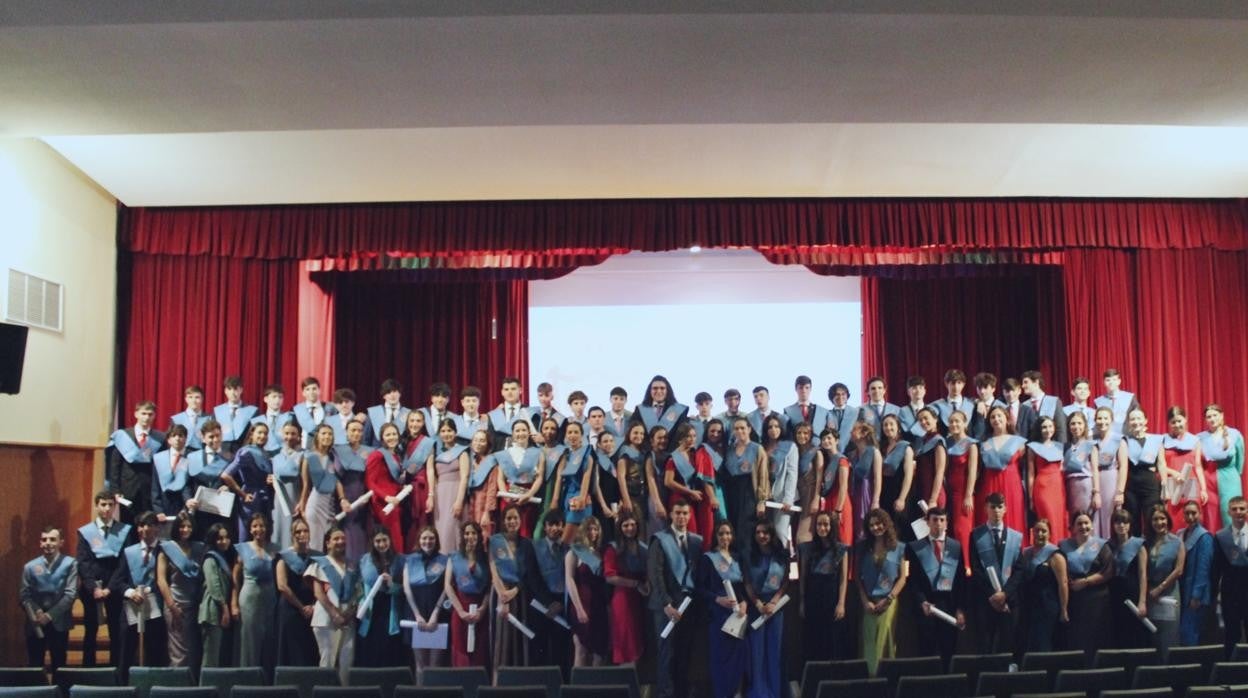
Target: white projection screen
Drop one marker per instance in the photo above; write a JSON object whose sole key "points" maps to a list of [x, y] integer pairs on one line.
{"points": [[711, 320]]}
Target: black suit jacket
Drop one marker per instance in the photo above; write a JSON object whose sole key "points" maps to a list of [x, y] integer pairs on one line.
{"points": [[92, 569], [132, 480]]}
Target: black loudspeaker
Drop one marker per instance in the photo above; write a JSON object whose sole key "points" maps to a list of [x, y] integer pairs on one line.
{"points": [[12, 356]]}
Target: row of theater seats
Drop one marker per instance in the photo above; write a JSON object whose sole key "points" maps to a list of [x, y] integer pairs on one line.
{"points": [[315, 682], [1111, 674]]}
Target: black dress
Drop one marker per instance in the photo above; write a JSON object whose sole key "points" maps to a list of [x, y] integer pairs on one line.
{"points": [[823, 637], [1039, 602], [296, 645]]}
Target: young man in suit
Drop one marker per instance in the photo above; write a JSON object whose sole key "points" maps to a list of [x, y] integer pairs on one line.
{"points": [[135, 581], [985, 400], [672, 570], [100, 545], [1120, 401], [954, 400], [762, 410], [805, 410], [877, 407], [47, 591], [128, 460], [916, 390], [274, 416], [311, 413], [470, 420], [345, 415], [702, 401], [546, 582], [1037, 405], [193, 417], [233, 415], [619, 417], [937, 574], [841, 416], [994, 546], [390, 411], [1230, 573], [437, 409], [502, 417]]}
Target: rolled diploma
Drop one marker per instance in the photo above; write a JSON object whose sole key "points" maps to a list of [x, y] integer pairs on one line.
{"points": [[728, 588], [780, 505], [761, 619], [671, 624], [542, 609], [403, 493], [1176, 494], [35, 624], [944, 616], [472, 631], [513, 495], [359, 502], [923, 505], [279, 496], [367, 604], [515, 622], [993, 579], [123, 501], [1136, 610]]}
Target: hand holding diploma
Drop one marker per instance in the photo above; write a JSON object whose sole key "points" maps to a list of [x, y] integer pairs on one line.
{"points": [[398, 498], [367, 604], [673, 618], [764, 617], [1143, 619], [359, 502]]}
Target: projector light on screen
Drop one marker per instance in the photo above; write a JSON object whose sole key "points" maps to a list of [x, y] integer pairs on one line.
{"points": [[717, 320]]}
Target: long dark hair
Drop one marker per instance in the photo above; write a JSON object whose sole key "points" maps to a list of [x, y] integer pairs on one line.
{"points": [[381, 561], [671, 395], [773, 548]]}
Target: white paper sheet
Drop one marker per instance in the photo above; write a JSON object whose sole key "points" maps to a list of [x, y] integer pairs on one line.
{"points": [[214, 501], [433, 640]]}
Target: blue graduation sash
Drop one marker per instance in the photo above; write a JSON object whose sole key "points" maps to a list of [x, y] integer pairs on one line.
{"points": [[576, 459], [939, 573], [499, 422], [604, 461], [354, 461], [342, 584], [1119, 405], [1108, 450], [588, 557], [982, 540], [960, 446], [275, 429], [1079, 559], [1051, 451], [627, 451], [831, 471], [103, 546], [807, 459], [205, 471], [192, 427], [49, 579], [553, 454], [188, 566], [1211, 447], [994, 458], [1078, 458], [687, 472], [675, 561], [744, 463], [377, 418], [864, 462], [505, 561], [1191, 540], [141, 574], [634, 563], [448, 455], [1186, 444], [303, 415], [1048, 406], [909, 418], [425, 570], [1162, 560], [1033, 558], [1146, 453], [481, 471], [944, 408], [777, 457], [550, 563], [432, 425], [296, 563], [845, 425], [392, 464], [233, 429], [321, 473], [1089, 413], [368, 577], [260, 567], [418, 458], [129, 448], [728, 570], [818, 418], [895, 458], [1226, 541], [466, 429], [829, 563], [929, 444], [766, 575], [169, 480], [875, 415], [672, 414], [286, 465], [880, 577], [1125, 553], [469, 579]]}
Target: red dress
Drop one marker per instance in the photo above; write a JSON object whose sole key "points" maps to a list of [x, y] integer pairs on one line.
{"points": [[1048, 494], [702, 516], [460, 656], [378, 479], [420, 494], [830, 489], [628, 606], [1177, 456], [958, 473], [1000, 473]]}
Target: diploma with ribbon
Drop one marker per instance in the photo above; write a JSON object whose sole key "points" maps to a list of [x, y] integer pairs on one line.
{"points": [[359, 502], [761, 619], [735, 624], [367, 604], [671, 624], [403, 494]]}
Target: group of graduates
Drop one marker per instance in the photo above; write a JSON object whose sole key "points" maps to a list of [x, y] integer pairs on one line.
{"points": [[662, 534]]}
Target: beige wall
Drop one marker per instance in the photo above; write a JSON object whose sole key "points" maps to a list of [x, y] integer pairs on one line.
{"points": [[60, 225]]}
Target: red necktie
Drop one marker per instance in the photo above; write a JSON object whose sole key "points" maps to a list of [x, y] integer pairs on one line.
{"points": [[805, 413], [940, 550], [142, 440], [1035, 405], [173, 462]]}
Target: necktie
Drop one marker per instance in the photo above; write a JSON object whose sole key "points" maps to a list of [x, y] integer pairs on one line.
{"points": [[840, 414], [658, 412], [805, 413], [313, 411], [940, 550], [147, 554], [173, 461], [511, 413], [683, 548], [619, 425], [233, 414], [208, 455], [272, 422], [390, 418], [143, 440], [998, 543]]}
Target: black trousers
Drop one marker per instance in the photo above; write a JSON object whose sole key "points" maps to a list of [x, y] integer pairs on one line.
{"points": [[54, 642], [1235, 622], [155, 646], [1142, 494], [672, 669], [91, 627]]}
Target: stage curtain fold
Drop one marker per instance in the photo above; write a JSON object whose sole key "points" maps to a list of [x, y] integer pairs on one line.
{"points": [[1100, 315], [616, 226], [463, 333], [195, 320], [1001, 324]]}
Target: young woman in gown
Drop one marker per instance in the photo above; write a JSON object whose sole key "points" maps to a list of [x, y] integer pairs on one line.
{"points": [[833, 486], [1000, 455], [1044, 591], [352, 459], [469, 590], [963, 473], [416, 447], [1223, 450], [824, 580], [324, 492], [881, 568], [379, 641], [520, 472], [1147, 474], [587, 594], [179, 579], [684, 481], [624, 564], [255, 595], [766, 582], [868, 475], [897, 471], [1045, 480], [424, 573], [656, 458], [296, 644], [810, 465], [1081, 466], [1183, 458], [450, 483], [573, 481], [630, 464], [1112, 468], [1129, 581], [385, 476], [745, 481], [931, 460], [511, 556], [729, 656]]}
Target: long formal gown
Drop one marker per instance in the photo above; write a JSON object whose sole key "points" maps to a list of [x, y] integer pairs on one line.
{"points": [[1090, 627], [323, 499], [1077, 469], [573, 470], [425, 575], [1181, 458], [447, 492], [380, 641], [807, 487], [823, 637], [877, 577], [830, 489], [1163, 557], [512, 559], [957, 471], [1224, 456], [185, 585], [1040, 606], [693, 476], [1000, 457], [591, 586], [1107, 452], [287, 488], [483, 502], [729, 656], [1128, 632], [472, 583], [383, 476], [925, 473], [861, 486], [353, 465], [738, 483], [257, 603], [296, 644], [1048, 495], [628, 606], [217, 643], [890, 487]]}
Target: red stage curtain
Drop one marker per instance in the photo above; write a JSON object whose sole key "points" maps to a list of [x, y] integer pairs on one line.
{"points": [[613, 226], [195, 320], [419, 333], [1100, 300], [1001, 324]]}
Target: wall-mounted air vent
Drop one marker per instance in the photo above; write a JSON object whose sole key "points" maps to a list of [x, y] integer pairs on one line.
{"points": [[34, 301]]}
